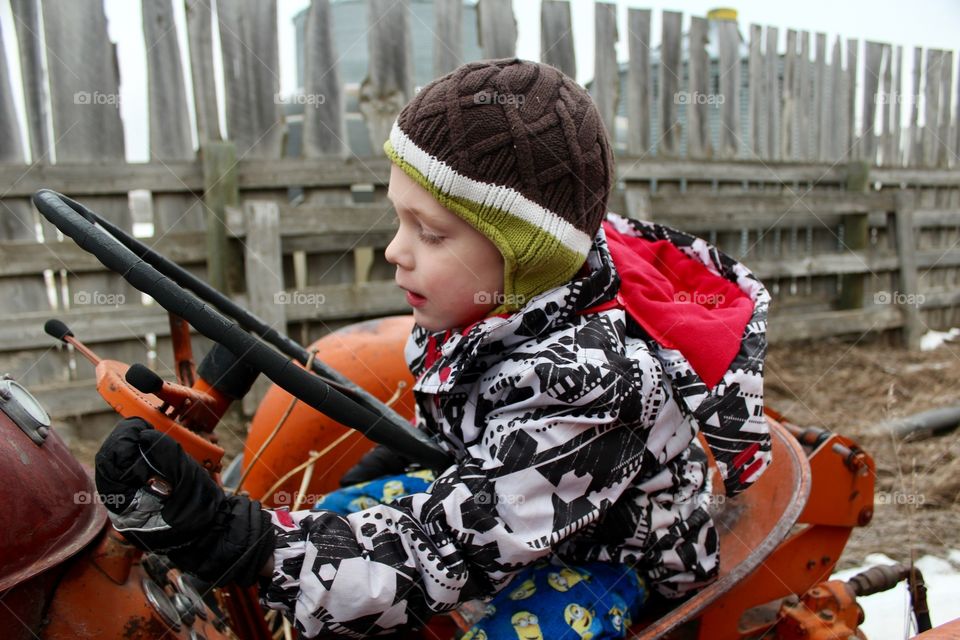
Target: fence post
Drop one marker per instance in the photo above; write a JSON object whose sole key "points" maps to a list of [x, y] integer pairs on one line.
{"points": [[855, 237], [906, 296], [263, 265], [220, 191]]}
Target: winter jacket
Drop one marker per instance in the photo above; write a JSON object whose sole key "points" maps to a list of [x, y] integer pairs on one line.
{"points": [[573, 425]]}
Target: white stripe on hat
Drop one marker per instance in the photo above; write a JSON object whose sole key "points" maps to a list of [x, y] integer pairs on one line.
{"points": [[449, 181]]}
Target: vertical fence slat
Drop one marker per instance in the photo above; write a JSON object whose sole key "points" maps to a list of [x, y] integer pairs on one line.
{"points": [[946, 88], [837, 121], [907, 275], [11, 151], [263, 261], [639, 81], [699, 144], [872, 60], [669, 78], [167, 112], [914, 143], [27, 21], [16, 214], [606, 85], [821, 128], [730, 134], [389, 81], [323, 127], [771, 71], [498, 28], [932, 108], [556, 36], [448, 43], [852, 136], [756, 88], [790, 122], [251, 74], [896, 154], [200, 38], [886, 97], [804, 98]]}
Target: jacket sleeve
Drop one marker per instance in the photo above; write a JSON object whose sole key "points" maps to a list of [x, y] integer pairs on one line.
{"points": [[558, 447]]}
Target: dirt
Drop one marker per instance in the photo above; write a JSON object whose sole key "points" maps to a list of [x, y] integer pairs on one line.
{"points": [[853, 388]]}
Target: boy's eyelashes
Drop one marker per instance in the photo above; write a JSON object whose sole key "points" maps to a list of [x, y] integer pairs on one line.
{"points": [[429, 238], [423, 234]]}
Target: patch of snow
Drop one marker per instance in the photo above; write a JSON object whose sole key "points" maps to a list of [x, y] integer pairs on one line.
{"points": [[933, 339], [888, 615]]}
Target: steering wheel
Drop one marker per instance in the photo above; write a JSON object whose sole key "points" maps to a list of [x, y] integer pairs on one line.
{"points": [[250, 339]]}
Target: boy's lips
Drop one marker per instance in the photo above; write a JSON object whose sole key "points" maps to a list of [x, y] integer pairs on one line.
{"points": [[414, 299]]}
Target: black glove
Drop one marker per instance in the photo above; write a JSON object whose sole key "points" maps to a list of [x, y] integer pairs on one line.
{"points": [[376, 463], [161, 500]]}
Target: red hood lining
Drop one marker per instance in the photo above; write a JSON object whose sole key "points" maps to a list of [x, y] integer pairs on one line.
{"points": [[680, 303]]}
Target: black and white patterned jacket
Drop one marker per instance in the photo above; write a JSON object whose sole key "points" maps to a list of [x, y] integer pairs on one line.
{"points": [[574, 434]]}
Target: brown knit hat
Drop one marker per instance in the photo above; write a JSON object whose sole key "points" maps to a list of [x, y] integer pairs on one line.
{"points": [[518, 150]]}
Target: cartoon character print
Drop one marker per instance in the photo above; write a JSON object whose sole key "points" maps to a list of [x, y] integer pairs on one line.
{"points": [[392, 490], [526, 625], [475, 634], [616, 617], [566, 578], [526, 589], [362, 502], [583, 621]]}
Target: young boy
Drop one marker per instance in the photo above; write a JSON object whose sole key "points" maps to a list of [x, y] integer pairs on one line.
{"points": [[566, 357]]}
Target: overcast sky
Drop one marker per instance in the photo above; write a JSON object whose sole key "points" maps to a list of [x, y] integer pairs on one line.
{"points": [[927, 23]]}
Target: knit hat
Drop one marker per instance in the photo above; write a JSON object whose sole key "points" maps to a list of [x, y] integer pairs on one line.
{"points": [[519, 151]]}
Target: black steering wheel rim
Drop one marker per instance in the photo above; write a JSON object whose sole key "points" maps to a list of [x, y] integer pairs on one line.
{"points": [[250, 339]]}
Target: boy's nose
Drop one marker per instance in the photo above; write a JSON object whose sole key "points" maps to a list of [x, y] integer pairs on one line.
{"points": [[397, 254]]}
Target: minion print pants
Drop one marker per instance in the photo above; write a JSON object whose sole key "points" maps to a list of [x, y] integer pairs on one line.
{"points": [[550, 600]]}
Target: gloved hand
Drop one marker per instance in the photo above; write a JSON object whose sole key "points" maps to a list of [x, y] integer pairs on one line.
{"points": [[376, 463], [161, 500]]}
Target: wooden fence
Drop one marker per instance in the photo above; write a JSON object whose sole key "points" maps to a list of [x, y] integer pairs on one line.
{"points": [[850, 238]]}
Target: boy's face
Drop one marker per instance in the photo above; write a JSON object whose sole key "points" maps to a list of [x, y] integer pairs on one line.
{"points": [[452, 274]]}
